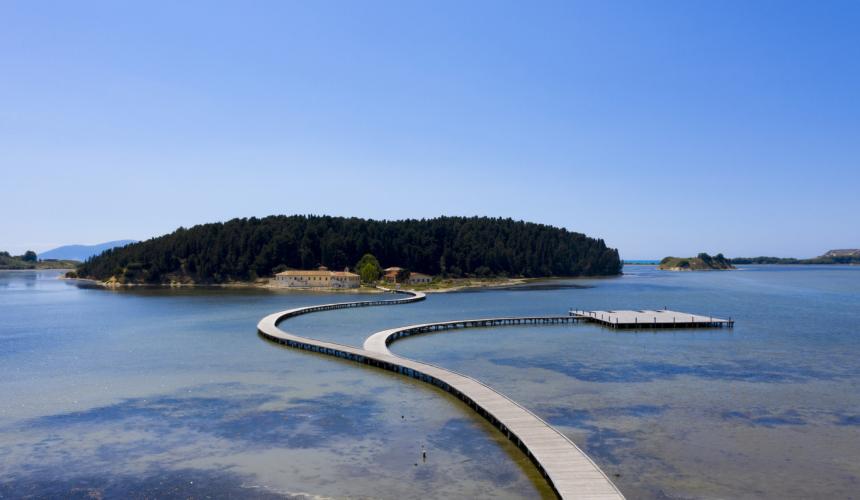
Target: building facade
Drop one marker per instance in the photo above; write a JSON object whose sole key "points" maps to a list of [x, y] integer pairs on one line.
{"points": [[321, 278], [390, 275], [419, 278]]}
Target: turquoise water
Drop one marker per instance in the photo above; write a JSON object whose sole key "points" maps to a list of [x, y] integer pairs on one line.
{"points": [[171, 392]]}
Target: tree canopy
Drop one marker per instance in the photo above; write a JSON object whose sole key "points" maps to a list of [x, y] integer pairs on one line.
{"points": [[368, 268], [700, 262], [402, 275], [244, 249]]}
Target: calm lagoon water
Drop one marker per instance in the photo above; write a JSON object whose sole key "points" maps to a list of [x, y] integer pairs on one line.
{"points": [[171, 393]]}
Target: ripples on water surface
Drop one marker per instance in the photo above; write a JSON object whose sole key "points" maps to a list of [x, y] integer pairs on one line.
{"points": [[171, 393]]}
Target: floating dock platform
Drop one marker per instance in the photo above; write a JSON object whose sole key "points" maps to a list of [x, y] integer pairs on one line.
{"points": [[663, 318]]}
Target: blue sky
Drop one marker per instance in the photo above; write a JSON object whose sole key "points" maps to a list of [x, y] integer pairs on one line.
{"points": [[662, 127]]}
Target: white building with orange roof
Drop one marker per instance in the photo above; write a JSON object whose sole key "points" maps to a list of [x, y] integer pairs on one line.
{"points": [[320, 278], [390, 275]]}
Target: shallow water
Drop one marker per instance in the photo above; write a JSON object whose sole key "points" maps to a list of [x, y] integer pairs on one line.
{"points": [[154, 393], [171, 392], [768, 409]]}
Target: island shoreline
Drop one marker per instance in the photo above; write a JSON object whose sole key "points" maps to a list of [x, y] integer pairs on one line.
{"points": [[471, 285]]}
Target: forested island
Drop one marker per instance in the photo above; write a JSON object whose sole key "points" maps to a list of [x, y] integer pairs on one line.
{"points": [[702, 262], [243, 250]]}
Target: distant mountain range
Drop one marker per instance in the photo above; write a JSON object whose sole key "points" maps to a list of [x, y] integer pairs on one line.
{"points": [[82, 252]]}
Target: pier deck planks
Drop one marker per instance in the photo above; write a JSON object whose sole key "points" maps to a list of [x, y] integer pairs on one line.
{"points": [[662, 318], [567, 469]]}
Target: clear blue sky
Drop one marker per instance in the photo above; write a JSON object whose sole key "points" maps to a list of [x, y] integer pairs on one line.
{"points": [[662, 127]]}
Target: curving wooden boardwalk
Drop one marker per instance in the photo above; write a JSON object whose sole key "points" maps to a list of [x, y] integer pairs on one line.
{"points": [[569, 472]]}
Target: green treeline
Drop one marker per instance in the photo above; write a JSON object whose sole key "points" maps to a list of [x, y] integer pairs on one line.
{"points": [[31, 261], [245, 249], [8, 261], [840, 259], [701, 262]]}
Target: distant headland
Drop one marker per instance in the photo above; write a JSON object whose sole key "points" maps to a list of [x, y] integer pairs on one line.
{"points": [[705, 262], [841, 256], [702, 262], [82, 252], [29, 260], [64, 257], [253, 250]]}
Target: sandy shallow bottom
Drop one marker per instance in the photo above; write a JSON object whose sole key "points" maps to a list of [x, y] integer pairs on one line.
{"points": [[170, 393]]}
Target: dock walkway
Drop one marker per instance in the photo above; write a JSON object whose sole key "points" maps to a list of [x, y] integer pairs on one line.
{"points": [[662, 318], [569, 472]]}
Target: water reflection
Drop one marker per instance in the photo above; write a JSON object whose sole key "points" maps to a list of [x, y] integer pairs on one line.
{"points": [[766, 410], [157, 483], [633, 372], [135, 392], [139, 393], [257, 419]]}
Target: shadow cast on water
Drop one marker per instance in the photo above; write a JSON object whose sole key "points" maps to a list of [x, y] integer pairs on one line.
{"points": [[501, 461], [464, 436], [602, 442]]}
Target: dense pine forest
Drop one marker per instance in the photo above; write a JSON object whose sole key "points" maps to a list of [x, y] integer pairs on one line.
{"points": [[245, 249]]}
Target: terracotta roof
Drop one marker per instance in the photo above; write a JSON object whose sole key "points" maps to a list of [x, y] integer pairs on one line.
{"points": [[299, 272]]}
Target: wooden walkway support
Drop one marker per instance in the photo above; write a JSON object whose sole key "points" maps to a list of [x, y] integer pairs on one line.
{"points": [[662, 318], [569, 472]]}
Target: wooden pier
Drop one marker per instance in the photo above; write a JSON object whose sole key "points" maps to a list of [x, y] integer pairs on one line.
{"points": [[379, 341], [662, 318], [568, 471]]}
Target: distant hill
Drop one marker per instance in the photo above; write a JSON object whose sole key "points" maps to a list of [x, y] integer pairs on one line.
{"points": [[702, 262], [246, 249], [850, 252], [844, 256], [82, 252]]}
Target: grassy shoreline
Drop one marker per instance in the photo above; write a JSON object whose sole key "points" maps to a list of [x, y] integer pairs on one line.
{"points": [[438, 286], [18, 265]]}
